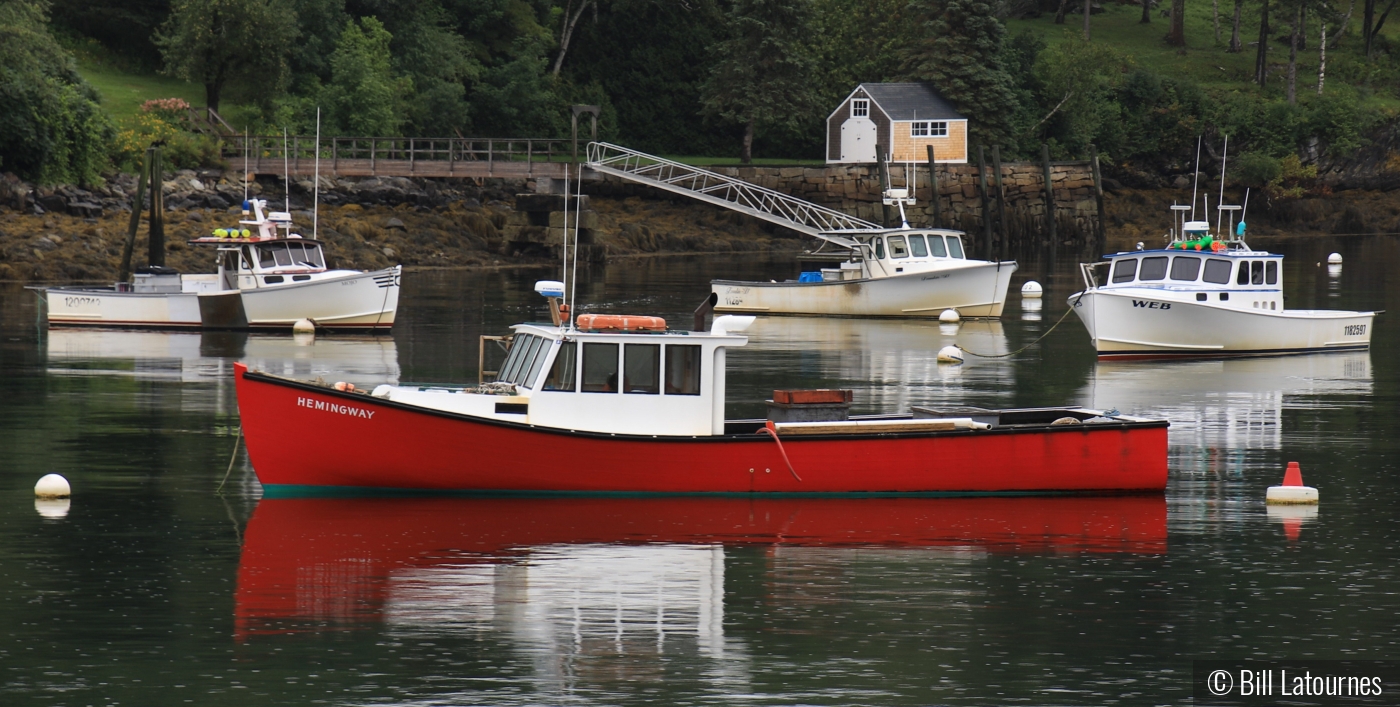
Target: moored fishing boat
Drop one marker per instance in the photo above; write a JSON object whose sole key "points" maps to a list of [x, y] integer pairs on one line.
{"points": [[622, 405]]}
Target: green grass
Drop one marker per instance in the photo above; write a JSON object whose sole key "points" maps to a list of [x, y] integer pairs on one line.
{"points": [[123, 93]]}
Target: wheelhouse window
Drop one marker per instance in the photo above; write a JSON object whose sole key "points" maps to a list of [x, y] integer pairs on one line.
{"points": [[290, 254], [562, 373], [600, 368], [955, 248], [682, 369], [879, 248], [1256, 272], [928, 128], [897, 247], [1217, 271], [1271, 272], [1185, 268], [527, 353], [917, 247], [1124, 269], [1153, 268], [532, 371], [860, 108], [641, 368], [936, 247]]}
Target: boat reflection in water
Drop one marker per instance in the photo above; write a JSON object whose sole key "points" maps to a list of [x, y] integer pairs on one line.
{"points": [[896, 359], [565, 576], [1222, 408], [207, 357]]}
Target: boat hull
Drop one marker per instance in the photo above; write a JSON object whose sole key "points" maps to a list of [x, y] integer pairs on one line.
{"points": [[358, 301], [976, 290], [1138, 325], [371, 444]]}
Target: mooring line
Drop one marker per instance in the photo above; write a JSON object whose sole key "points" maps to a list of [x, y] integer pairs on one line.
{"points": [[774, 434], [1033, 343], [231, 459]]}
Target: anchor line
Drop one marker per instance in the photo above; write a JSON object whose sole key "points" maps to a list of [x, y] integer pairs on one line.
{"points": [[772, 433], [231, 459], [1042, 336]]}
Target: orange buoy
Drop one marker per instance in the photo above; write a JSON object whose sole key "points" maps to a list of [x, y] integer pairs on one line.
{"points": [[1292, 491], [620, 322]]}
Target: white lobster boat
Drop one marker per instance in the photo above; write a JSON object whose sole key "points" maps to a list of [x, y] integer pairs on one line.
{"points": [[267, 278], [901, 272], [1204, 295]]}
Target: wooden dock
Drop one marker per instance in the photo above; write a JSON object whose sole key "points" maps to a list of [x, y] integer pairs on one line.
{"points": [[473, 158]]}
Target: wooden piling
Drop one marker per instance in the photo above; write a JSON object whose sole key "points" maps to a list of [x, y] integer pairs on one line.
{"points": [[1100, 229], [933, 190], [1005, 235], [156, 250], [986, 211], [1049, 214], [884, 183], [138, 204]]}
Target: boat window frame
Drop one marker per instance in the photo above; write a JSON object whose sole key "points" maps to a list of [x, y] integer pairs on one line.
{"points": [[532, 372], [1256, 272], [1154, 260], [941, 251], [1117, 277], [564, 369], [1206, 268], [879, 248], [1192, 261], [955, 248], [1271, 272], [694, 381], [917, 248], [616, 366], [517, 351], [899, 250], [521, 365], [652, 387]]}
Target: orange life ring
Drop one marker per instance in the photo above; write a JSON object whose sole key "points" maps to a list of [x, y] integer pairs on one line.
{"points": [[619, 322]]}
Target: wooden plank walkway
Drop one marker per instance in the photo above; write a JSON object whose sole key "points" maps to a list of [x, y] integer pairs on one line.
{"points": [[477, 158]]}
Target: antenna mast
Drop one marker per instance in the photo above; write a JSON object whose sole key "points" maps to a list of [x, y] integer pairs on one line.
{"points": [[1195, 178], [316, 186], [1224, 155], [286, 172]]}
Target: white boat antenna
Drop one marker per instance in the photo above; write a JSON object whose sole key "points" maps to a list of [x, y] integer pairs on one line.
{"points": [[286, 172], [1246, 208], [573, 278], [245, 166], [1224, 155], [316, 185], [564, 275], [1196, 178]]}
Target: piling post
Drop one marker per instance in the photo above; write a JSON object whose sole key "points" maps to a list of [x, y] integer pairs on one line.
{"points": [[1100, 230], [986, 210], [138, 204], [1001, 200], [1050, 237], [884, 184], [156, 250], [933, 190]]}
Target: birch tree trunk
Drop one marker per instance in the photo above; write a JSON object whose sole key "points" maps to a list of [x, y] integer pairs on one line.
{"points": [[1322, 59]]}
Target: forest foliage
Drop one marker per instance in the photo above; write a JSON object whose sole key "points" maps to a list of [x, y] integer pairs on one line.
{"points": [[702, 77]]}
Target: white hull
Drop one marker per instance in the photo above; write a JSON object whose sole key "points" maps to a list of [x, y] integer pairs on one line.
{"points": [[352, 300], [974, 290], [1143, 324]]}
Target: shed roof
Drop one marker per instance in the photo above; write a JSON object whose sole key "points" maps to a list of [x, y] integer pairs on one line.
{"points": [[911, 101]]}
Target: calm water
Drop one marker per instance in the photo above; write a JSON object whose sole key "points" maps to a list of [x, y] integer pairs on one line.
{"points": [[155, 588]]}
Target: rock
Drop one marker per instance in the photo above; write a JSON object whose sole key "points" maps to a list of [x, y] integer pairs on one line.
{"points": [[216, 201], [85, 209], [195, 215], [395, 223], [44, 243], [388, 252], [196, 185]]}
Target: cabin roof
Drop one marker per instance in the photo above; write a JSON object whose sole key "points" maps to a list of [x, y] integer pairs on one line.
{"points": [[911, 101]]}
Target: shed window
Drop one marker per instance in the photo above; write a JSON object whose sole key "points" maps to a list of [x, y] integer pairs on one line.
{"points": [[1124, 269], [860, 108], [897, 247], [917, 247], [1153, 268], [1185, 268], [561, 374], [1271, 272], [641, 368], [935, 246], [955, 247], [682, 369], [928, 128], [600, 368], [1217, 271]]}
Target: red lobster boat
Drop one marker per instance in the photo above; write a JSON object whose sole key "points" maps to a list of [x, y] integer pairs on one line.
{"points": [[621, 405]]}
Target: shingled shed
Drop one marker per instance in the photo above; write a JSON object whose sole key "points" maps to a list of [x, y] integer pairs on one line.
{"points": [[902, 118]]}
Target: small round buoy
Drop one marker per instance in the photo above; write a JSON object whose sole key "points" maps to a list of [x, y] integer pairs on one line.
{"points": [[1292, 491], [1032, 305], [1334, 270], [304, 326], [950, 354], [53, 508], [52, 486], [1334, 259], [949, 316], [303, 338], [1031, 290], [345, 387]]}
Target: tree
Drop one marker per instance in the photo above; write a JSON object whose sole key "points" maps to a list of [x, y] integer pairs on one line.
{"points": [[1146, 12], [763, 76], [219, 42], [1261, 56], [364, 96], [51, 127], [1176, 36], [961, 54], [1235, 45]]}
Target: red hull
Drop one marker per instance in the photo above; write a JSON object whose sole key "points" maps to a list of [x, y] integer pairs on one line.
{"points": [[359, 442], [352, 548]]}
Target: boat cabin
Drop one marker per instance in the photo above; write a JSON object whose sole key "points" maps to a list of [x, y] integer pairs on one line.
{"points": [[896, 252], [267, 255], [669, 383], [1243, 278]]}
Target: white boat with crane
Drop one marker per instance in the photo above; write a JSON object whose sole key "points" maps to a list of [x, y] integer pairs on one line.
{"points": [[871, 271]]}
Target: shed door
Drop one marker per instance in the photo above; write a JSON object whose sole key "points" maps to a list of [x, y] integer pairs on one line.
{"points": [[858, 140]]}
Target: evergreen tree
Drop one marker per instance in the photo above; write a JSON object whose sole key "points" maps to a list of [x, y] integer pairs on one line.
{"points": [[960, 54], [51, 128], [218, 42], [763, 76], [364, 96]]}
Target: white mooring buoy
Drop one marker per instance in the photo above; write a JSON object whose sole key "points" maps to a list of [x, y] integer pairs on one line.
{"points": [[52, 486], [1334, 259], [949, 316], [1292, 491], [304, 326], [53, 508], [950, 354], [1031, 290]]}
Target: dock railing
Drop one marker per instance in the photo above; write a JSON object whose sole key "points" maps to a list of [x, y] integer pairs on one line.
{"points": [[399, 156]]}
